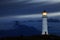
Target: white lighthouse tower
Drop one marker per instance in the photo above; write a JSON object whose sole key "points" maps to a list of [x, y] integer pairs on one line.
{"points": [[44, 23]]}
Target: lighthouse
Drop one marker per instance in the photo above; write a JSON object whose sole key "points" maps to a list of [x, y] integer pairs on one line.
{"points": [[44, 23]]}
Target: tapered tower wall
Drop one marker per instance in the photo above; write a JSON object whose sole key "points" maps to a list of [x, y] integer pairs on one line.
{"points": [[44, 25]]}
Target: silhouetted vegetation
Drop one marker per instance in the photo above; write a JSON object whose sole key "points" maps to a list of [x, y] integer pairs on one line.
{"points": [[33, 37]]}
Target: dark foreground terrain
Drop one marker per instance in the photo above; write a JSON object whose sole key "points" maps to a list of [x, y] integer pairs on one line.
{"points": [[36, 37]]}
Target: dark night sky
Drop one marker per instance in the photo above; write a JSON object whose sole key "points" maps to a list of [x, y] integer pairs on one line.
{"points": [[11, 9], [24, 7]]}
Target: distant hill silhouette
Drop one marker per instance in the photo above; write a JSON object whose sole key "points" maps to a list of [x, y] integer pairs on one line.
{"points": [[53, 20], [49, 20], [21, 30]]}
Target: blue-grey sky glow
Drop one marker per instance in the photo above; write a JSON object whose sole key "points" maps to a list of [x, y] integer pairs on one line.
{"points": [[21, 9], [27, 7]]}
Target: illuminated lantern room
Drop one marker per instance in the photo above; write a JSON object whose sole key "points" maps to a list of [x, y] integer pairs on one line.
{"points": [[44, 13]]}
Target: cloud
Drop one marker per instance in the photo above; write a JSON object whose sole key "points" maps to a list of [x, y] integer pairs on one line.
{"points": [[25, 9], [46, 1], [29, 1], [35, 1], [2, 2]]}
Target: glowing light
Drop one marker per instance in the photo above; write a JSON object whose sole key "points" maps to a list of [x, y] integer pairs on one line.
{"points": [[44, 13], [38, 15]]}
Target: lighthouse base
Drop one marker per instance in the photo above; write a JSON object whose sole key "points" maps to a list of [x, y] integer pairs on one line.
{"points": [[44, 33]]}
